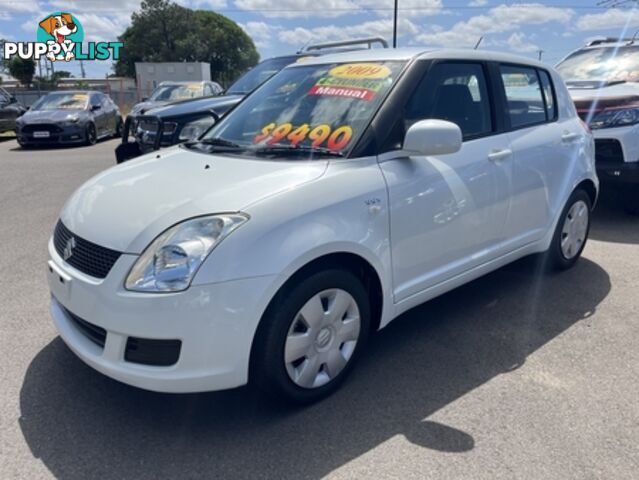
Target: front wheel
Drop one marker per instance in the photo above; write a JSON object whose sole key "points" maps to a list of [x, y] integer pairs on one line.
{"points": [[310, 337], [91, 136], [118, 128], [571, 233]]}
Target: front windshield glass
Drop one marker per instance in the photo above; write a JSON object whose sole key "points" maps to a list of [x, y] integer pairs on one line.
{"points": [[308, 109], [167, 93], [602, 64], [258, 75], [62, 101]]}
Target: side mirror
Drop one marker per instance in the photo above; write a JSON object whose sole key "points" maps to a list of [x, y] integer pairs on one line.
{"points": [[95, 107], [433, 137], [13, 99], [144, 99]]}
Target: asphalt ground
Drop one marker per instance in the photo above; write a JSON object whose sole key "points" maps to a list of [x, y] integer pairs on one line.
{"points": [[518, 375]]}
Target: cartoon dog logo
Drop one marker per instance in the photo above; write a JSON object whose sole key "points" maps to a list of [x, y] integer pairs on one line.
{"points": [[59, 27]]}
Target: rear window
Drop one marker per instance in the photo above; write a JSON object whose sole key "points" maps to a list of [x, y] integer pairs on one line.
{"points": [[524, 96]]}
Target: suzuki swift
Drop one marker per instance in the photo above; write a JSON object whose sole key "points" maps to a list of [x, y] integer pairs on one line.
{"points": [[341, 193]]}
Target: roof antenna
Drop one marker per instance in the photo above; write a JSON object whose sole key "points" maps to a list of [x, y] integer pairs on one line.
{"points": [[478, 43]]}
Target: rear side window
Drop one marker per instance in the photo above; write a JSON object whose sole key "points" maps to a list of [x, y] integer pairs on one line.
{"points": [[549, 95], [525, 100], [456, 92]]}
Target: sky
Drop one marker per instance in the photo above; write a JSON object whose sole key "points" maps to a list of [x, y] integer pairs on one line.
{"points": [[281, 27]]}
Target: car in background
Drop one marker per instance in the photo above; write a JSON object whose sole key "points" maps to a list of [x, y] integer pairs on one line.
{"points": [[168, 92], [10, 110], [69, 117], [187, 120], [343, 192], [603, 80]]}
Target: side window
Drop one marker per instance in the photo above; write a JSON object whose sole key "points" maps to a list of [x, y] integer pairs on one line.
{"points": [[524, 97], [456, 92], [549, 95], [207, 90], [96, 100]]}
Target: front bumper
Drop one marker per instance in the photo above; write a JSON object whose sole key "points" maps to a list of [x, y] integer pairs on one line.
{"points": [[215, 325], [60, 136], [617, 154]]}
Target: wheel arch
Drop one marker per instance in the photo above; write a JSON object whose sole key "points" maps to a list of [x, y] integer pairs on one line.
{"points": [[589, 187], [342, 260]]}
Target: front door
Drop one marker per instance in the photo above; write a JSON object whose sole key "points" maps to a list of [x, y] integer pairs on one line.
{"points": [[447, 212]]}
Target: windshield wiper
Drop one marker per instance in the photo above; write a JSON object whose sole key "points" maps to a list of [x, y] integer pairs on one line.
{"points": [[293, 150], [217, 144]]}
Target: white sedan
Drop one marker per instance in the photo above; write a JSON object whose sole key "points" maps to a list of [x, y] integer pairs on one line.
{"points": [[346, 190]]}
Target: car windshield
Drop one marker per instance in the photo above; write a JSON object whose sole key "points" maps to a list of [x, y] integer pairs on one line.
{"points": [[259, 74], [602, 64], [306, 111], [62, 101], [177, 92]]}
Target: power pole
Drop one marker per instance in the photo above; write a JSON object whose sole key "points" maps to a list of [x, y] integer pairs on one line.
{"points": [[540, 52], [82, 69], [395, 24]]}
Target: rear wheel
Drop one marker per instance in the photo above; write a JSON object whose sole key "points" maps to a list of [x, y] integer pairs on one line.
{"points": [[91, 136], [310, 337], [571, 233]]}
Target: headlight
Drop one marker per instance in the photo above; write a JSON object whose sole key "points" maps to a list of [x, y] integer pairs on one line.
{"points": [[171, 261], [195, 129], [618, 117], [70, 120]]}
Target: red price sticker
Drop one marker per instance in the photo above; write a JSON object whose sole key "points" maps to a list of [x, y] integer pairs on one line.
{"points": [[335, 139]]}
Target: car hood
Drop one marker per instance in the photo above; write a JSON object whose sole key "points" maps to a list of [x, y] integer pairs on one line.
{"points": [[589, 91], [49, 116], [143, 107], [219, 104], [125, 207]]}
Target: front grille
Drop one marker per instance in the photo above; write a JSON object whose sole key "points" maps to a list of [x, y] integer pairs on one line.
{"points": [[158, 353], [87, 257], [608, 151], [41, 127], [94, 333]]}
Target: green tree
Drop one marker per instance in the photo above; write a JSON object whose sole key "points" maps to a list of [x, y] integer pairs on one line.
{"points": [[58, 74], [21, 69], [163, 31]]}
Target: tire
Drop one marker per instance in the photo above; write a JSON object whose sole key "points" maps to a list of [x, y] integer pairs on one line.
{"points": [[327, 349], [91, 136], [118, 129], [571, 233]]}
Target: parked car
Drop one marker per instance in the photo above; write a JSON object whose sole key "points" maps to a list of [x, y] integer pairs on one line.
{"points": [[343, 192], [603, 79], [187, 120], [10, 110], [167, 92], [68, 117]]}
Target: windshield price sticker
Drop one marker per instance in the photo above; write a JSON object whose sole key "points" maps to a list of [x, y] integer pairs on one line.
{"points": [[361, 71], [335, 139], [360, 81]]}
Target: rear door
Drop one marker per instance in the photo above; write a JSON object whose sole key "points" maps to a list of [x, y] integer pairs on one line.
{"points": [[543, 147], [447, 212]]}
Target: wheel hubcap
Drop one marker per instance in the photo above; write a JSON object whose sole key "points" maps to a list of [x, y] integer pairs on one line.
{"points": [[575, 229], [322, 338]]}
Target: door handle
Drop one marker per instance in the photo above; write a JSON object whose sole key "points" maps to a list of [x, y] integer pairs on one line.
{"points": [[498, 155], [569, 137]]}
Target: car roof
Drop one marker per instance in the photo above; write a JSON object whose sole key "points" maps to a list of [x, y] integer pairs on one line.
{"points": [[405, 54]]}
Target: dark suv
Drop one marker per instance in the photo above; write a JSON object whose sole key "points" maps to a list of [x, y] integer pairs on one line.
{"points": [[187, 120]]}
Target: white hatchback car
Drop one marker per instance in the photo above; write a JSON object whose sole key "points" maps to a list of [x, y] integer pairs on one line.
{"points": [[343, 192]]}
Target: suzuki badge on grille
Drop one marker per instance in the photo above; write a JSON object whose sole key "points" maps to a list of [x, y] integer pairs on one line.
{"points": [[68, 248]]}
